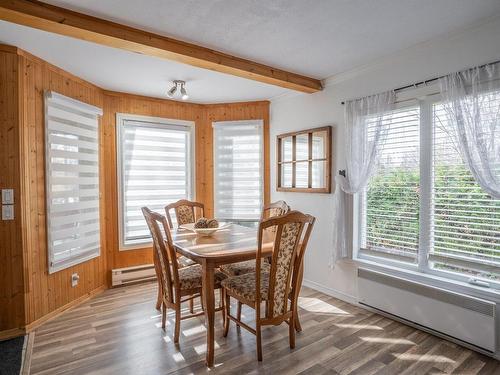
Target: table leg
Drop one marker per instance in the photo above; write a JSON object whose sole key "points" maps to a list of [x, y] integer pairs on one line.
{"points": [[209, 302]]}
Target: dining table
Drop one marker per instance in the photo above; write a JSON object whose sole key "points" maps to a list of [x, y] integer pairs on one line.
{"points": [[231, 244]]}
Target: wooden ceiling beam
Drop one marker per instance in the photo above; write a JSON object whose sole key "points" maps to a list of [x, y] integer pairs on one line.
{"points": [[81, 26]]}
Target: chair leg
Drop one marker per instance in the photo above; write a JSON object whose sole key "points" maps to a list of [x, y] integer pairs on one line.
{"points": [[259, 342], [291, 331], [177, 323], [298, 326], [163, 315], [238, 314], [227, 308], [191, 305], [159, 298]]}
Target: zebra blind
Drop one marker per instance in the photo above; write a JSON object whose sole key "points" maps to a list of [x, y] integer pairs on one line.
{"points": [[465, 219], [238, 170], [390, 206], [72, 178], [155, 169]]}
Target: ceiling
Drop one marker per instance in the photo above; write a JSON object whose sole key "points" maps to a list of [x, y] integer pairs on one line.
{"points": [[318, 38]]}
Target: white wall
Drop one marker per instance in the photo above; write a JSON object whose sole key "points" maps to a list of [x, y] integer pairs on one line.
{"points": [[470, 47]]}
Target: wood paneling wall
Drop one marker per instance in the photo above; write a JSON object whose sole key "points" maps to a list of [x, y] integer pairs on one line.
{"points": [[28, 294], [47, 293], [11, 257]]}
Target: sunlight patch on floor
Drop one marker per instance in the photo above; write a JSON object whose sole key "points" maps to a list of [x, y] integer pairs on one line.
{"points": [[423, 358], [195, 330], [178, 357], [387, 340], [359, 326], [202, 349], [315, 305]]}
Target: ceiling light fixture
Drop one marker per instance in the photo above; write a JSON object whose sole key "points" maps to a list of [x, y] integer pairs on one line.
{"points": [[173, 90]]}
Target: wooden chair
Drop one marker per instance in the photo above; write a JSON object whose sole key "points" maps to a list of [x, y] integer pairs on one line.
{"points": [[185, 211], [276, 286], [271, 210], [235, 269], [175, 282]]}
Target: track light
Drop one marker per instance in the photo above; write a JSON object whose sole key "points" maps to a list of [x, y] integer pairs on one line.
{"points": [[173, 90]]}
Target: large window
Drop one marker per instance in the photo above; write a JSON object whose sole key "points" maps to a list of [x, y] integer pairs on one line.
{"points": [[72, 177], [423, 209], [238, 170], [155, 169]]}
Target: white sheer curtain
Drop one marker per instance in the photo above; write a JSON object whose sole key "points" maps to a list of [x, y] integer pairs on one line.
{"points": [[361, 156], [472, 103]]}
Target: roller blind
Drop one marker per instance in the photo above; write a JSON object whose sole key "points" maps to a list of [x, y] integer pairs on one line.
{"points": [[155, 170], [238, 170], [465, 219], [390, 206], [72, 178]]}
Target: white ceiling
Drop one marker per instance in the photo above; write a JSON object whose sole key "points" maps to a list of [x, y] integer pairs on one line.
{"points": [[318, 38]]}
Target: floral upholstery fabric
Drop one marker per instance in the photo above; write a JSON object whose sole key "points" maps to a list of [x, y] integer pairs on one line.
{"points": [[289, 237], [185, 215], [191, 277], [244, 285], [183, 261], [241, 268]]}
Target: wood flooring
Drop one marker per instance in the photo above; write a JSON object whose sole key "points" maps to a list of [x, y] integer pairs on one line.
{"points": [[119, 332]]}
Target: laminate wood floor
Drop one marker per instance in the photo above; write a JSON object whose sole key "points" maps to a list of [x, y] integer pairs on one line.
{"points": [[119, 332]]}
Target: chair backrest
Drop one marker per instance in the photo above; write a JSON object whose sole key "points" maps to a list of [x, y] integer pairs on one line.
{"points": [[184, 211], [165, 259], [292, 234], [277, 208]]}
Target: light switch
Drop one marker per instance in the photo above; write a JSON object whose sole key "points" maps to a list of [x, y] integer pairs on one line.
{"points": [[8, 212], [7, 196]]}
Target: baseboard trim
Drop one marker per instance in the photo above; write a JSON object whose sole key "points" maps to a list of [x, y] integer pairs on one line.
{"points": [[27, 351], [11, 333], [331, 292], [35, 324]]}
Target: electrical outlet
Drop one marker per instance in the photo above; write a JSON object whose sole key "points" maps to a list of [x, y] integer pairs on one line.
{"points": [[7, 196], [74, 279], [8, 212]]}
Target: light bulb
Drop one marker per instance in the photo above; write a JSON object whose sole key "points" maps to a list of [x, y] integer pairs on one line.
{"points": [[184, 94]]}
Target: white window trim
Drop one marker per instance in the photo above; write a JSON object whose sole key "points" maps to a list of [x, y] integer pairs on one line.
{"points": [[260, 125], [96, 111], [420, 272], [164, 123]]}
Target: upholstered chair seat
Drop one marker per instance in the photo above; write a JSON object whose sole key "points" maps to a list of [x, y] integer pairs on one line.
{"points": [[243, 286], [191, 277], [241, 268]]}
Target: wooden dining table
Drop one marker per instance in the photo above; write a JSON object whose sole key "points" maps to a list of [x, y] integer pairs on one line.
{"points": [[234, 243]]}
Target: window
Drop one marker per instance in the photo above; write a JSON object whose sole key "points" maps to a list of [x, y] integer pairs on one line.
{"points": [[423, 209], [304, 161], [72, 178], [391, 213], [238, 170], [155, 159]]}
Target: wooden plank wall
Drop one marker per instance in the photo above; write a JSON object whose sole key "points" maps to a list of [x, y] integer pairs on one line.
{"points": [[28, 294], [11, 259], [46, 293]]}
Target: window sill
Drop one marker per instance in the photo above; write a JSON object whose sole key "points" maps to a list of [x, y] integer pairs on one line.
{"points": [[432, 280]]}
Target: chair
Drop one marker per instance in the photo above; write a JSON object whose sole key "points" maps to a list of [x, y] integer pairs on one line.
{"points": [[184, 211], [235, 269], [279, 287], [175, 282], [271, 210]]}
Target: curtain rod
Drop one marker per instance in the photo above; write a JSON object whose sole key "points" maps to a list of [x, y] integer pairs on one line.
{"points": [[427, 81]]}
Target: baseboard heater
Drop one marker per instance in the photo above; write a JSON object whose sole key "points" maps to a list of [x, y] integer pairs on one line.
{"points": [[132, 275], [457, 316]]}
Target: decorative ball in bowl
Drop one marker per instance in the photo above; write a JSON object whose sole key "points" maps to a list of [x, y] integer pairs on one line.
{"points": [[204, 227]]}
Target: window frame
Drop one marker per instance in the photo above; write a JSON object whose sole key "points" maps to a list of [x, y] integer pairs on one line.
{"points": [[422, 268], [260, 123], [159, 122], [327, 159]]}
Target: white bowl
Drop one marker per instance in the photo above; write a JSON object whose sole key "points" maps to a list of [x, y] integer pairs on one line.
{"points": [[205, 232]]}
